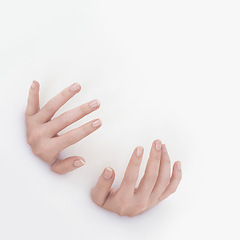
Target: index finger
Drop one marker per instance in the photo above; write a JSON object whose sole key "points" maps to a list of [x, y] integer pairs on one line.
{"points": [[51, 107]]}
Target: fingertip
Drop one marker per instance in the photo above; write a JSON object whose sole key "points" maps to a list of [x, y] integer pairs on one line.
{"points": [[108, 173], [79, 162], [67, 165], [75, 87], [99, 103], [35, 84], [164, 148], [95, 103], [178, 165], [139, 151], [177, 171], [97, 123], [156, 141], [158, 144]]}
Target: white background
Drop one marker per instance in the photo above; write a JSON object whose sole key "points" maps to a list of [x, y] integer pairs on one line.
{"points": [[161, 69]]}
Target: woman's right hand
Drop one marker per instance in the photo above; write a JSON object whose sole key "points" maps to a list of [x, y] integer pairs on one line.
{"points": [[155, 186]]}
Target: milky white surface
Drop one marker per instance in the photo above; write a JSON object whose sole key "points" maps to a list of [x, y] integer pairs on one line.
{"points": [[161, 69]]}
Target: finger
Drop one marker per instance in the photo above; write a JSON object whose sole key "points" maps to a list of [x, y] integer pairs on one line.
{"points": [[69, 117], [102, 189], [33, 99], [151, 173], [67, 165], [131, 175], [51, 107], [77, 134], [174, 183], [164, 173]]}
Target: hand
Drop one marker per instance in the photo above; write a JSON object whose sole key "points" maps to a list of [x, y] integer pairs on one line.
{"points": [[155, 185], [42, 130]]}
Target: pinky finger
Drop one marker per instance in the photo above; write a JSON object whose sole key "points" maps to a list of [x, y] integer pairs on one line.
{"points": [[174, 182], [67, 165]]}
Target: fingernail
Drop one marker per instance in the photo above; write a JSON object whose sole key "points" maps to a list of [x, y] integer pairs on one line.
{"points": [[79, 163], [75, 87], [158, 145], [164, 149], [179, 166], [97, 123], [139, 151], [108, 172], [33, 85], [94, 103]]}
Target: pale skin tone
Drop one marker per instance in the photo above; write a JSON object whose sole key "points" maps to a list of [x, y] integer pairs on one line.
{"points": [[156, 184], [128, 200], [42, 130]]}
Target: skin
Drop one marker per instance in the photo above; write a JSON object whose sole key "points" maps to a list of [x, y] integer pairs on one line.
{"points": [[156, 184], [42, 130], [42, 135]]}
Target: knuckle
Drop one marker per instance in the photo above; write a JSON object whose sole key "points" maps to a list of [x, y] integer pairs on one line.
{"points": [[50, 107], [86, 130], [30, 140], [165, 181], [123, 203], [103, 186], [36, 151], [172, 190], [40, 149], [131, 214], [65, 118], [151, 177], [57, 170], [122, 211], [54, 169], [83, 110], [34, 136], [180, 177], [93, 195], [140, 207], [64, 93], [167, 160], [129, 178]]}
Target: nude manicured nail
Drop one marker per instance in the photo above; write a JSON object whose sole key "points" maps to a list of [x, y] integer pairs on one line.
{"points": [[164, 149], [179, 166], [75, 87], [78, 163], [97, 123], [94, 103], [158, 145], [139, 151], [33, 84], [108, 172]]}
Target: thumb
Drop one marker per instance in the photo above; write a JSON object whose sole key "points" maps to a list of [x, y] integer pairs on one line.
{"points": [[67, 165], [33, 99], [101, 190]]}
